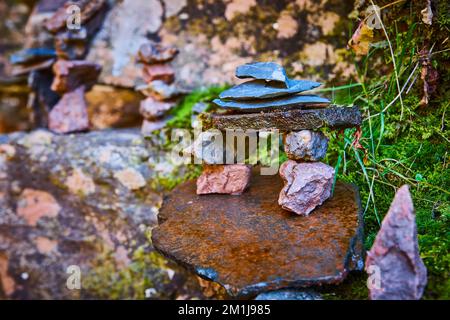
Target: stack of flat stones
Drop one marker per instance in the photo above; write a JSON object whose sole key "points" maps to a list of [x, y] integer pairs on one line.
{"points": [[272, 100], [73, 76], [161, 93], [57, 74]]}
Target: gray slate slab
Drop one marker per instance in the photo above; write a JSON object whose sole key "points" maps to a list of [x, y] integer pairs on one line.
{"points": [[267, 104], [261, 89], [269, 71]]}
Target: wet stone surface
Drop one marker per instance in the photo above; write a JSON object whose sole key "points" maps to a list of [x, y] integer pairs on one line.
{"points": [[249, 245]]}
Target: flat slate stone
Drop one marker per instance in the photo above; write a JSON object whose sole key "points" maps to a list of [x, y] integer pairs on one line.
{"points": [[289, 120], [249, 245], [32, 55], [260, 89], [261, 105], [269, 71]]}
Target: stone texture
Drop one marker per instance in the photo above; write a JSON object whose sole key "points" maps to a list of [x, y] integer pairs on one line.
{"points": [[307, 186], [163, 72], [154, 53], [226, 179], [270, 104], [289, 294], [32, 55], [290, 120], [305, 145], [249, 245], [23, 69], [260, 89], [395, 253], [70, 113], [88, 8], [69, 75], [269, 71], [208, 147], [110, 107], [214, 37], [126, 27], [149, 126], [43, 98], [61, 204], [160, 90], [152, 109]]}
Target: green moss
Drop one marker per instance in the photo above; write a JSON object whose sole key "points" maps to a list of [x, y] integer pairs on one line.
{"points": [[401, 144], [109, 281], [183, 112]]}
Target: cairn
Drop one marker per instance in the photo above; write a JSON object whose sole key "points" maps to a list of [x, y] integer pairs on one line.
{"points": [[161, 93], [58, 75], [263, 102], [73, 75]]}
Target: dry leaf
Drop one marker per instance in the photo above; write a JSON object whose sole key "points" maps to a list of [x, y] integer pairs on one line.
{"points": [[361, 39], [429, 76], [427, 13]]}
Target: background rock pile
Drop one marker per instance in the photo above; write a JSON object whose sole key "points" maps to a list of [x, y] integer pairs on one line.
{"points": [[162, 94]]}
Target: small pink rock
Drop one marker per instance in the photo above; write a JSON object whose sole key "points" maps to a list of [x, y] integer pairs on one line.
{"points": [[163, 72], [228, 179], [152, 109], [306, 186], [394, 256], [70, 113]]}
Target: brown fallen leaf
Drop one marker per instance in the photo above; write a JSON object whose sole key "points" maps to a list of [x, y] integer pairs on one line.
{"points": [[429, 76], [361, 39]]}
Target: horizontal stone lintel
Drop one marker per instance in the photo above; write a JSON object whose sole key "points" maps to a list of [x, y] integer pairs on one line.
{"points": [[336, 117]]}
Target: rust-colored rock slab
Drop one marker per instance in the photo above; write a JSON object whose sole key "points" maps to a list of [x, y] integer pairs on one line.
{"points": [[249, 245]]}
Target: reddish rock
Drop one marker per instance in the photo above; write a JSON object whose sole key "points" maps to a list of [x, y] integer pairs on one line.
{"points": [[306, 186], [395, 256], [152, 109], [228, 179], [305, 145], [69, 75], [35, 204], [163, 72], [249, 245], [88, 8], [70, 113], [7, 283], [152, 53]]}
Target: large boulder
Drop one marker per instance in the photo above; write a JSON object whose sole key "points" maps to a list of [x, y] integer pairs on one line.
{"points": [[81, 200], [214, 37]]}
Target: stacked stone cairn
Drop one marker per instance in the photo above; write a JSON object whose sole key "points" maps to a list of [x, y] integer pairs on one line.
{"points": [[161, 93], [73, 75], [308, 182], [57, 97]]}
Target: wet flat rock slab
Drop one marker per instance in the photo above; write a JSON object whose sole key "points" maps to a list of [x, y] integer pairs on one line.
{"points": [[249, 245]]}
